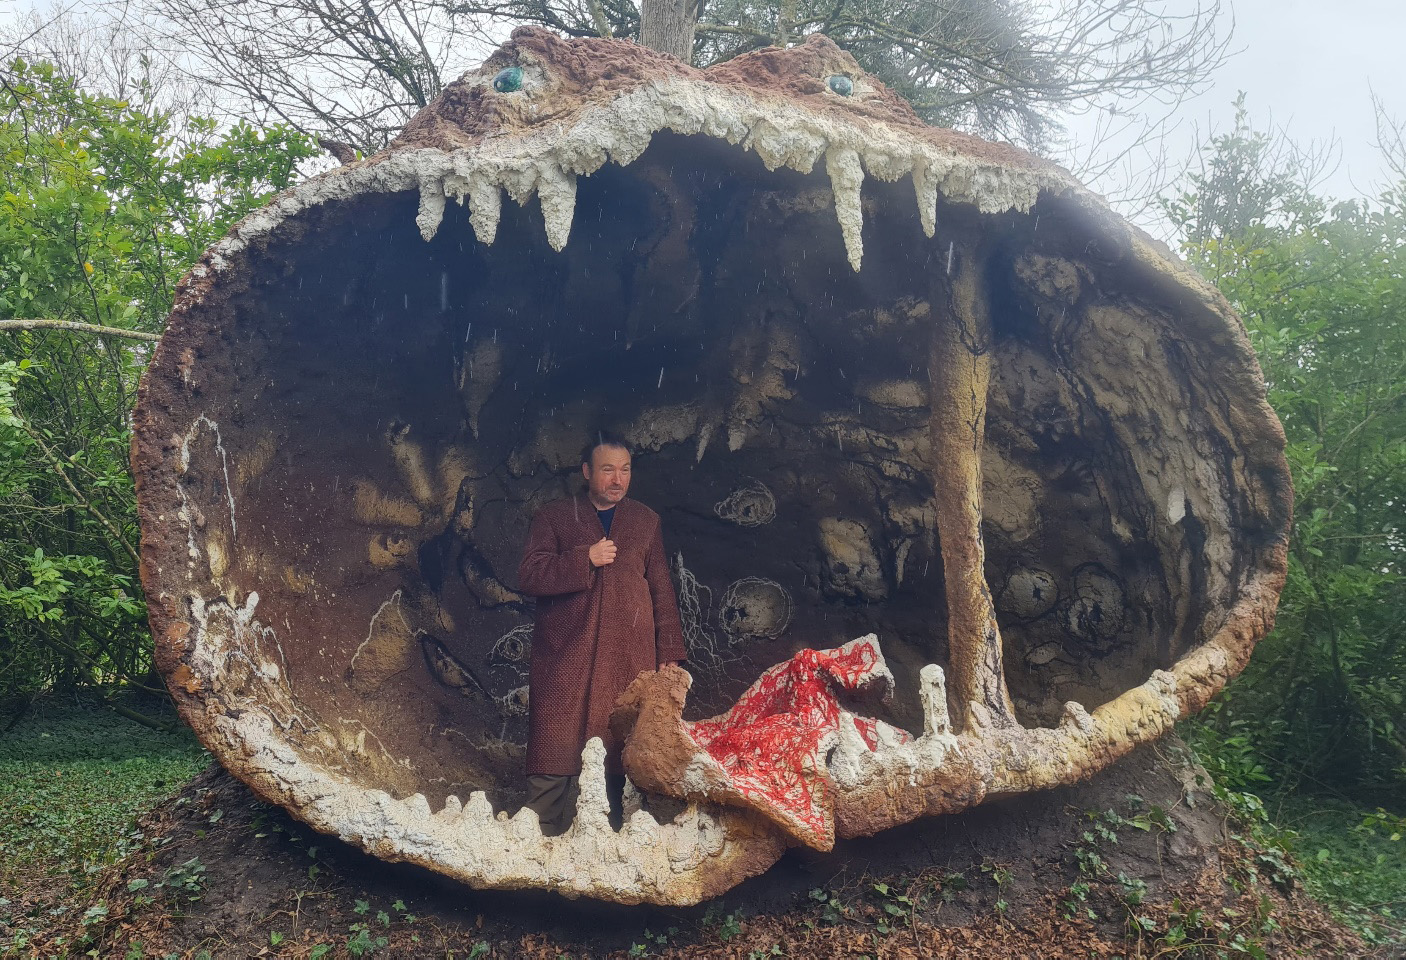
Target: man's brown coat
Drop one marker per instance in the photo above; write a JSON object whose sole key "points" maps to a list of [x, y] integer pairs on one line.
{"points": [[597, 628]]}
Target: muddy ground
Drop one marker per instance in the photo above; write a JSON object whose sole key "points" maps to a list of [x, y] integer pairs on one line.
{"points": [[1140, 861]]}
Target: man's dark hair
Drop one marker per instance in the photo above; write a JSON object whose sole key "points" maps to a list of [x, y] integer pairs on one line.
{"points": [[603, 438]]}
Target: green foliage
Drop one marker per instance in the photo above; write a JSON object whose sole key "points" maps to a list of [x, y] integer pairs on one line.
{"points": [[832, 908], [729, 924], [1355, 863], [898, 908], [185, 879], [1319, 710], [73, 783], [1322, 289], [104, 204]]}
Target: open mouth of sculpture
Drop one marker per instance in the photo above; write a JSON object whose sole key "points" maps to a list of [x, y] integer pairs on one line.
{"points": [[991, 427]]}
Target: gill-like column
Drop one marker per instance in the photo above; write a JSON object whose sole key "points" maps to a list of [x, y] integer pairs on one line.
{"points": [[959, 373]]}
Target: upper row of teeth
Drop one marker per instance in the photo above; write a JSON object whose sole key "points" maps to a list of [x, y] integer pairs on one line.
{"points": [[547, 162]]}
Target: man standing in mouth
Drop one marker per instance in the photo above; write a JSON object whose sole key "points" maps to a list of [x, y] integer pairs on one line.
{"points": [[606, 612]]}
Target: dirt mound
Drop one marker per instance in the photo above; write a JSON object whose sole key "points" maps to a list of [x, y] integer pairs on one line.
{"points": [[1138, 860]]}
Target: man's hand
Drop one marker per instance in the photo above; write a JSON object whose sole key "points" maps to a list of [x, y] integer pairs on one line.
{"points": [[602, 552]]}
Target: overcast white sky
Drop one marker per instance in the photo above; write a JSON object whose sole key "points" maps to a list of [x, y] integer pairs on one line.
{"points": [[1308, 68], [1314, 66]]}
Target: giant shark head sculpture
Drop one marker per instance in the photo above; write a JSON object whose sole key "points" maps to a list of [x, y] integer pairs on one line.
{"points": [[881, 378]]}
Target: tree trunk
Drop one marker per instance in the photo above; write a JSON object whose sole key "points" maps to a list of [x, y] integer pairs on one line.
{"points": [[668, 25]]}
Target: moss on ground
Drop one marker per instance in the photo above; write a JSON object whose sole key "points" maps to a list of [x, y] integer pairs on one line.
{"points": [[1353, 859], [73, 779]]}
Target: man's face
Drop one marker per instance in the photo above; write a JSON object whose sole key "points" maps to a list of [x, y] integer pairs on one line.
{"points": [[607, 476]]}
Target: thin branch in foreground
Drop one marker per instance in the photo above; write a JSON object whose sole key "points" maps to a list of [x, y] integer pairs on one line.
{"points": [[78, 328]]}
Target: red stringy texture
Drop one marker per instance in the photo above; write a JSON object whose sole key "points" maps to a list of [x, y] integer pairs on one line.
{"points": [[769, 743]]}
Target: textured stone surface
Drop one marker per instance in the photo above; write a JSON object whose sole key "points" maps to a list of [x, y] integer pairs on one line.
{"points": [[883, 379]]}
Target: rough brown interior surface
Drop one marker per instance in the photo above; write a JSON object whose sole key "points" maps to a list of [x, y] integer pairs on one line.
{"points": [[366, 391]]}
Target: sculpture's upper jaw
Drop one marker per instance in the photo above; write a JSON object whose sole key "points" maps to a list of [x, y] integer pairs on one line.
{"points": [[543, 111]]}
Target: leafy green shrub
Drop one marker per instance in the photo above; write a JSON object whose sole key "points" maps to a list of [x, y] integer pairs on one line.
{"points": [[104, 204]]}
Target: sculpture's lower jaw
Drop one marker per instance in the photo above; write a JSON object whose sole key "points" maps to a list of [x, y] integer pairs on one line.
{"points": [[858, 783]]}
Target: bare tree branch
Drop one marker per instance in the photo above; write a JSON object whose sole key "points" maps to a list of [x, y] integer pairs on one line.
{"points": [[78, 328]]}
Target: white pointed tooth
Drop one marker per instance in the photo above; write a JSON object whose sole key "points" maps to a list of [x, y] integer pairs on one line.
{"points": [[851, 741], [736, 437], [1077, 717], [885, 163], [793, 147], [643, 827], [932, 691], [431, 208], [628, 146], [925, 186], [485, 206], [705, 433], [418, 805], [479, 809], [580, 154], [521, 183], [592, 804], [453, 809], [557, 191], [846, 182], [456, 187], [524, 817]]}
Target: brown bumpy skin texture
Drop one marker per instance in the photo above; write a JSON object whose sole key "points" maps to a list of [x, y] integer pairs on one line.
{"points": [[879, 378]]}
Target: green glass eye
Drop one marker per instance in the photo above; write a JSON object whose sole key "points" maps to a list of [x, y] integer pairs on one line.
{"points": [[508, 80], [841, 84]]}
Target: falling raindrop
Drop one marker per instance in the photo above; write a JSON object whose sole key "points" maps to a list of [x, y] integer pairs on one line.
{"points": [[405, 302], [661, 379], [495, 334], [950, 245], [468, 330]]}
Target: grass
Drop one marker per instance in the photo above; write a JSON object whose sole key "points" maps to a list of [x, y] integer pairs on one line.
{"points": [[74, 778], [1354, 860]]}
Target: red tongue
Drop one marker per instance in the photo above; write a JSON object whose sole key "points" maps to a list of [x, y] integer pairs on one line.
{"points": [[769, 743]]}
